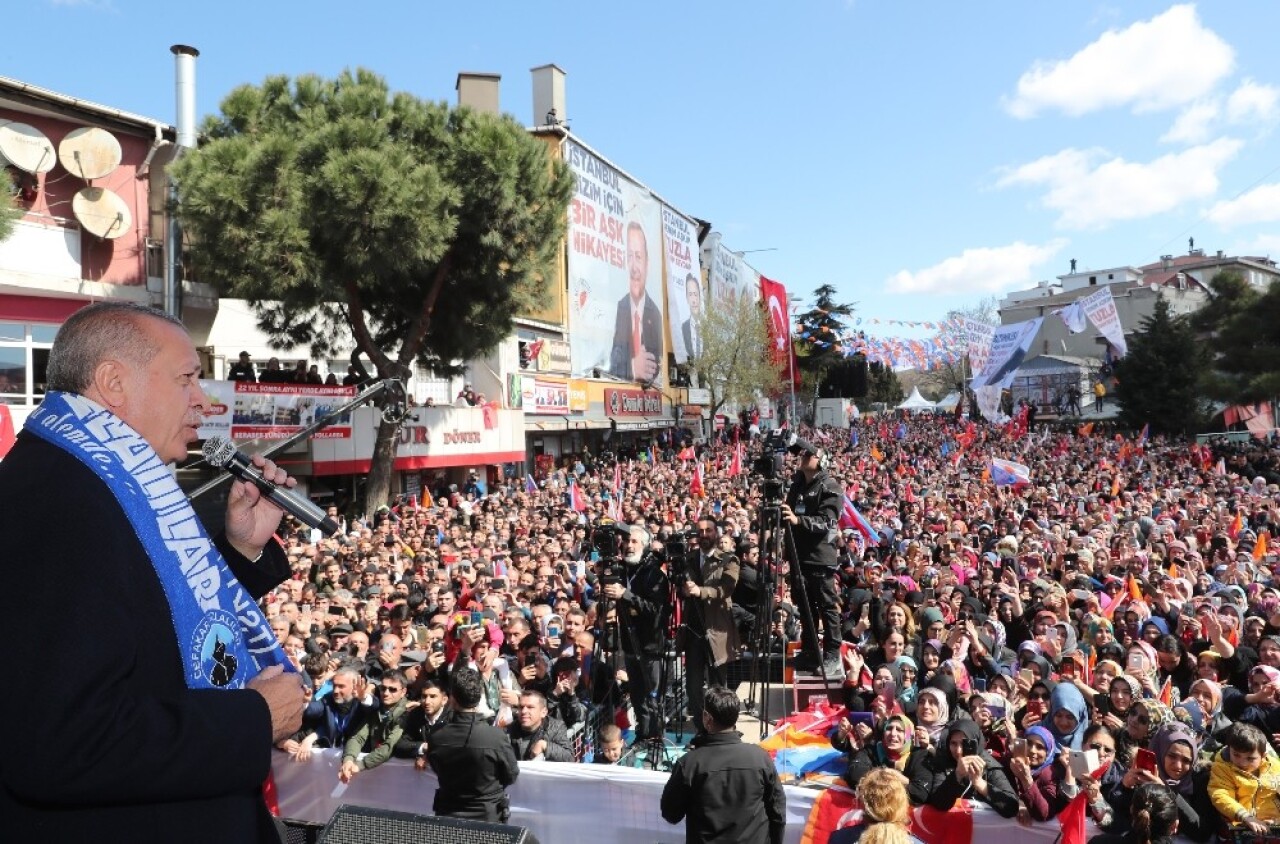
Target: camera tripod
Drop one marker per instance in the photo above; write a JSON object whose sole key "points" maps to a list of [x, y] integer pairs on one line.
{"points": [[651, 727], [778, 547]]}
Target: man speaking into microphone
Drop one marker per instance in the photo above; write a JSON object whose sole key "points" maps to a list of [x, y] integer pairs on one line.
{"points": [[167, 692], [812, 509]]}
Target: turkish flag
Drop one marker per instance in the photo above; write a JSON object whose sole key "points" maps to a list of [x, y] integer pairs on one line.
{"points": [[774, 295], [7, 436]]}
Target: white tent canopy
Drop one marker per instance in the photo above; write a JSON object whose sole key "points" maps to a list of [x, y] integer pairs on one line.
{"points": [[948, 403], [916, 402]]}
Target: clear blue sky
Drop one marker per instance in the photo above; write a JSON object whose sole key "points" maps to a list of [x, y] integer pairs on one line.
{"points": [[917, 156]]}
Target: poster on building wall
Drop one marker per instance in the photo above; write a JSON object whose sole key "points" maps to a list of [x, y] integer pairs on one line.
{"points": [[728, 277], [245, 411], [616, 303], [684, 283], [551, 397]]}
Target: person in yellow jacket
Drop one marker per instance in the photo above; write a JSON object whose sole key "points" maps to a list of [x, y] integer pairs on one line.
{"points": [[1244, 781]]}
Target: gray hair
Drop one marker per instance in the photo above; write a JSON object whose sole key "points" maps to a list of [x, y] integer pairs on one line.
{"points": [[97, 332], [643, 534]]}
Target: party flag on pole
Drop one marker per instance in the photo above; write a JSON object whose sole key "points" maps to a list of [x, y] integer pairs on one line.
{"points": [[530, 485], [850, 517], [577, 501]]}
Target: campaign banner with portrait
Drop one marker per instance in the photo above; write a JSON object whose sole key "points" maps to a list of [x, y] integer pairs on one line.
{"points": [[684, 282], [616, 301], [1009, 347], [241, 410]]}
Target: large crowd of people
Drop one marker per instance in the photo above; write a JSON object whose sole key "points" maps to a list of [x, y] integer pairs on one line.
{"points": [[1111, 625]]}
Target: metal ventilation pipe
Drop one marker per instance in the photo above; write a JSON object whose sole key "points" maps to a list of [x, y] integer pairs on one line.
{"points": [[184, 83]]}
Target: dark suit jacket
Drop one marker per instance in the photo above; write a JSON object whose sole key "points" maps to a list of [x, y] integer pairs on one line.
{"points": [[650, 336], [686, 331], [113, 745]]}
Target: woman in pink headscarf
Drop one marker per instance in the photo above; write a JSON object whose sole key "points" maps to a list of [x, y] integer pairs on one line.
{"points": [[1263, 710]]}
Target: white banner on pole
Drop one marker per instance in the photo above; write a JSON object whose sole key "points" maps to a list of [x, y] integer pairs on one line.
{"points": [[1101, 310], [1009, 347], [979, 337]]}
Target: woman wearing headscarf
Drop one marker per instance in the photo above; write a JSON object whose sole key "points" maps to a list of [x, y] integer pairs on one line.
{"points": [[908, 689], [1037, 705], [961, 768], [1264, 690], [1208, 694], [1114, 708], [889, 746], [1036, 779], [1068, 716], [1176, 749], [959, 674], [933, 713]]}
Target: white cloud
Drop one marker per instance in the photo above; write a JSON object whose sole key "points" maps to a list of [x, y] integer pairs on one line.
{"points": [[1091, 189], [1193, 124], [1253, 102], [1262, 245], [981, 270], [1152, 65], [1260, 205]]}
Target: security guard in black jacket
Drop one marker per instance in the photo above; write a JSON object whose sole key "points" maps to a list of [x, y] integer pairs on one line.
{"points": [[473, 760], [812, 509]]}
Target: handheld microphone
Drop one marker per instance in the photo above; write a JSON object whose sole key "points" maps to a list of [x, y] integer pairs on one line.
{"points": [[223, 454]]}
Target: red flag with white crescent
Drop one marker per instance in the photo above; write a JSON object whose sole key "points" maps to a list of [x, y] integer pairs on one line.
{"points": [[774, 295]]}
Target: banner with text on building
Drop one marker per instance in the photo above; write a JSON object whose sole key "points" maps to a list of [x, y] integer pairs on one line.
{"points": [[728, 275], [616, 302], [684, 282], [246, 411], [1010, 345]]}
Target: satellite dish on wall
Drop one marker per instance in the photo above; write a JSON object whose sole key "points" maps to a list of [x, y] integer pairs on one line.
{"points": [[89, 152], [26, 147], [101, 212]]}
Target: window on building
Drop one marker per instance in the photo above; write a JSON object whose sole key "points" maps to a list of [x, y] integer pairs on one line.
{"points": [[24, 360]]}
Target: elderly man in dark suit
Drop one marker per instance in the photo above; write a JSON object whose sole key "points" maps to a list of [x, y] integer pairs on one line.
{"points": [[637, 331]]}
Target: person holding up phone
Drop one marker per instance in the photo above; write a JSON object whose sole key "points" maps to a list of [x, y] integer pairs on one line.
{"points": [[1171, 761], [962, 769], [888, 746], [1035, 777]]}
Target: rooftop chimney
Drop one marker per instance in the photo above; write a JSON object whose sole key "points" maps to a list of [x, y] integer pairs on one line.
{"points": [[548, 96], [479, 91], [184, 71]]}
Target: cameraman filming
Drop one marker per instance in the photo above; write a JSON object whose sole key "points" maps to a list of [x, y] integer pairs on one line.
{"points": [[643, 596], [812, 509]]}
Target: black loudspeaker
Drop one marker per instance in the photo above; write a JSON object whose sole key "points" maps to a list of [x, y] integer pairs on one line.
{"points": [[363, 825]]}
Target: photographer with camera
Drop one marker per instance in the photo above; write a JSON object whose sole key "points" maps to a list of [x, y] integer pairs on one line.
{"points": [[642, 594], [812, 509], [707, 635]]}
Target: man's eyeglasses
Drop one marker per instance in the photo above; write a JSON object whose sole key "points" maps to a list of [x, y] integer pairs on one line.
{"points": [[389, 690]]}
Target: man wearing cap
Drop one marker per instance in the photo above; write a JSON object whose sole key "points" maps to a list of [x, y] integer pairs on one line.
{"points": [[242, 370], [812, 510]]}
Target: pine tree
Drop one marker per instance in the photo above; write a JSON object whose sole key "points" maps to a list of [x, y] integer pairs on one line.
{"points": [[336, 206], [827, 371], [1160, 380]]}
